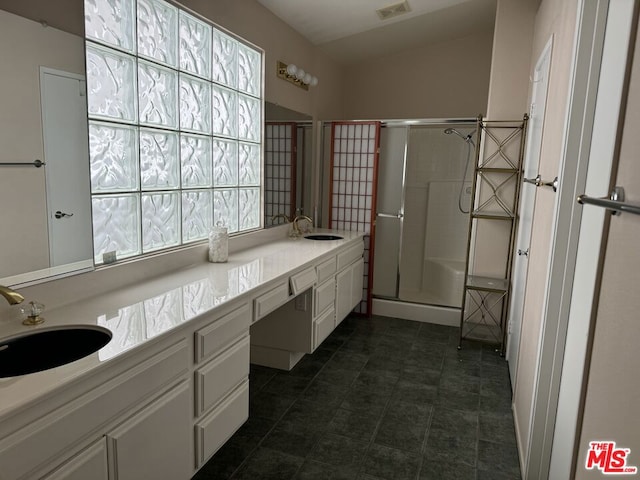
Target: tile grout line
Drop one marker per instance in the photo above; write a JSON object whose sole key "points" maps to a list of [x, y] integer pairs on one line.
{"points": [[375, 432], [378, 335], [423, 448]]}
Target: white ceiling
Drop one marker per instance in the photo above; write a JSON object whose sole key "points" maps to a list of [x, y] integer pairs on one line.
{"points": [[350, 30]]}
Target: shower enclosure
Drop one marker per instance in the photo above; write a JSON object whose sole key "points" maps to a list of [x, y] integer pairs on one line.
{"points": [[424, 197]]}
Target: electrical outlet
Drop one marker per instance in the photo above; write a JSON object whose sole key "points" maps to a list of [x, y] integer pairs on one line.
{"points": [[109, 257], [301, 303]]}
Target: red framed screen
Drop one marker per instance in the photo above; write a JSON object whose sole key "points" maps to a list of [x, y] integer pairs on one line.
{"points": [[355, 147]]}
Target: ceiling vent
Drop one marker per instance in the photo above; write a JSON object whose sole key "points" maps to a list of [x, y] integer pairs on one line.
{"points": [[394, 10]]}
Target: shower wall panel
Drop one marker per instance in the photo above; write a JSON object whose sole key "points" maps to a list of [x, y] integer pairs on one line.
{"points": [[435, 228], [446, 231]]}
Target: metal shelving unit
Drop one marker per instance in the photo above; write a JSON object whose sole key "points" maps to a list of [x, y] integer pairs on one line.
{"points": [[496, 193]]}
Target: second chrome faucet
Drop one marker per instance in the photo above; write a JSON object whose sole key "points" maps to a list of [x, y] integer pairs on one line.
{"points": [[295, 226], [296, 230]]}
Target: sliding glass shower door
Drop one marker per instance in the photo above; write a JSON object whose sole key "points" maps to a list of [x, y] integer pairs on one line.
{"points": [[390, 211], [424, 196]]}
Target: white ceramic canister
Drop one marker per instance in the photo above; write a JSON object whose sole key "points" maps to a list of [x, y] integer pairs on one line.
{"points": [[218, 244]]}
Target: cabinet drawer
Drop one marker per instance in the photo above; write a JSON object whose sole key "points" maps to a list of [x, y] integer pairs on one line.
{"points": [[349, 256], [215, 336], [303, 280], [217, 427], [323, 326], [326, 270], [268, 302], [215, 379], [325, 296]]}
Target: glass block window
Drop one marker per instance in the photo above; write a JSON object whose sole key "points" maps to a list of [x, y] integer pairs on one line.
{"points": [[175, 127]]}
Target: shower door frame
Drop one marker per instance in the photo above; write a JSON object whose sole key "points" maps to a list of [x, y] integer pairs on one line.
{"points": [[399, 216], [408, 123]]}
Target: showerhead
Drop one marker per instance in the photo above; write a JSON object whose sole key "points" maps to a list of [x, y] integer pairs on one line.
{"points": [[467, 138]]}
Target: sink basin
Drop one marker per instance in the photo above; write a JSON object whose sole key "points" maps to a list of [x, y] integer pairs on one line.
{"points": [[323, 236], [48, 348]]}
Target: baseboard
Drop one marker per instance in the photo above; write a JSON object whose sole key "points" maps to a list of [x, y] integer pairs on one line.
{"points": [[418, 312], [521, 453]]}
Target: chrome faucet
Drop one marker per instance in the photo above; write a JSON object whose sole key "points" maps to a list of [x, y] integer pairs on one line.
{"points": [[295, 228], [12, 296]]}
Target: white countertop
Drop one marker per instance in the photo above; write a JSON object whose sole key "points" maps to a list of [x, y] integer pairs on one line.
{"points": [[136, 314]]}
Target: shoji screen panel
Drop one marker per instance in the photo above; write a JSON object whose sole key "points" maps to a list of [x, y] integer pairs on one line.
{"points": [[353, 186], [280, 170]]}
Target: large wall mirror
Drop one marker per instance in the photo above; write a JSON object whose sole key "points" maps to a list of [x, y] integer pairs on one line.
{"points": [[287, 164], [46, 211]]}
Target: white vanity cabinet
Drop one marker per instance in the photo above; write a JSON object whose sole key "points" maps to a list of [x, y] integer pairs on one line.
{"points": [[153, 443], [115, 404], [271, 300], [320, 297], [324, 300], [162, 407], [150, 444], [349, 281], [89, 463], [221, 380]]}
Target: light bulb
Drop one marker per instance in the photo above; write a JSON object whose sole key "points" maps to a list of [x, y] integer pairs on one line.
{"points": [[307, 79], [314, 81], [291, 69], [300, 74]]}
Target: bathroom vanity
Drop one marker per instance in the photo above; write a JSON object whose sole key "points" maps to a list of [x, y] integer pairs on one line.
{"points": [[172, 384]]}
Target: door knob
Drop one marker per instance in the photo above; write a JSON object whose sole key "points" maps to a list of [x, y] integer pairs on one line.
{"points": [[523, 252], [60, 214]]}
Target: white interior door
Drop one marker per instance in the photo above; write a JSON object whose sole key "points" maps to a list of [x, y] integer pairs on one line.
{"points": [[598, 383], [66, 154], [527, 205], [612, 387]]}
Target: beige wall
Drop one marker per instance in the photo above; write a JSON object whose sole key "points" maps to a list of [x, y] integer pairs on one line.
{"points": [[613, 385], [24, 47], [557, 18], [258, 25], [510, 67], [507, 100], [448, 79]]}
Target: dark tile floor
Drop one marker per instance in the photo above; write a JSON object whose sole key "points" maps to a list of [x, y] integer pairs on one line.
{"points": [[380, 399]]}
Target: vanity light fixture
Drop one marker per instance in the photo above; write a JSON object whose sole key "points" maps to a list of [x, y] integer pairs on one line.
{"points": [[296, 75]]}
